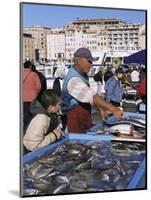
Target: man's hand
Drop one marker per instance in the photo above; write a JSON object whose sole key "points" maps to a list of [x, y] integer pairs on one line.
{"points": [[100, 102], [117, 112], [58, 132]]}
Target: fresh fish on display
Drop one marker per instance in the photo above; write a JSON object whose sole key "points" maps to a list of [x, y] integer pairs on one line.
{"points": [[62, 179], [78, 185], [84, 165], [31, 192], [33, 169], [121, 185], [126, 129], [88, 167], [120, 167], [53, 173], [91, 189], [138, 135], [41, 185], [136, 121], [130, 121], [116, 178], [60, 189]]}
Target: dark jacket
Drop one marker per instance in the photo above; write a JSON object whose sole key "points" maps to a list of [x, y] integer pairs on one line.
{"points": [[107, 76], [43, 82], [57, 86], [36, 108], [98, 77], [39, 132]]}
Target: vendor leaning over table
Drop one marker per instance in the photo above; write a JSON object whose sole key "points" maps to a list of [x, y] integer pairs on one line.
{"points": [[113, 88], [77, 97]]}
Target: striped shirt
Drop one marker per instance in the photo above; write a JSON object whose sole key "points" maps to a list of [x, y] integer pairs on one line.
{"points": [[80, 91]]}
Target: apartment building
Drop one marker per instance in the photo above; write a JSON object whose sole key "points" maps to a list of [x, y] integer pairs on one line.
{"points": [[108, 35], [99, 35], [62, 44], [56, 46], [98, 22], [120, 35], [123, 37], [142, 37], [39, 34], [28, 47]]}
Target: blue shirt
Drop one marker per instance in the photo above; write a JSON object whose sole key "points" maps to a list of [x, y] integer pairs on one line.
{"points": [[113, 90]]}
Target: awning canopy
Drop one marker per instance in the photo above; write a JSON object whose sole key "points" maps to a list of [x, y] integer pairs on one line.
{"points": [[139, 58]]}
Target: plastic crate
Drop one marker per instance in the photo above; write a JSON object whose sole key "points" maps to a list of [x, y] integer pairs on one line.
{"points": [[135, 182], [142, 108]]}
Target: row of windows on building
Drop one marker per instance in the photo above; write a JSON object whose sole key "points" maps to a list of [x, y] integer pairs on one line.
{"points": [[28, 46], [122, 43], [122, 35], [88, 35], [36, 30], [123, 48], [78, 44]]}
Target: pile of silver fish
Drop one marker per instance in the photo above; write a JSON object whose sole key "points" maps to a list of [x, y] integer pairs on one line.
{"points": [[127, 126], [85, 167]]}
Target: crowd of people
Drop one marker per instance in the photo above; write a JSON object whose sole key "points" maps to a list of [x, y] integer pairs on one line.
{"points": [[48, 112], [116, 80]]}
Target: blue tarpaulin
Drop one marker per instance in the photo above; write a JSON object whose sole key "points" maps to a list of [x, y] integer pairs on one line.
{"points": [[139, 58]]}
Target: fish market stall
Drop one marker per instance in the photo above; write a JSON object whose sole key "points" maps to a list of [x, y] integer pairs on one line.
{"points": [[130, 101], [130, 93], [130, 105], [142, 108], [132, 127], [84, 163]]}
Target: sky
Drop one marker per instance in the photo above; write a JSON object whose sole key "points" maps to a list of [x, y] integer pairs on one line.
{"points": [[57, 16]]}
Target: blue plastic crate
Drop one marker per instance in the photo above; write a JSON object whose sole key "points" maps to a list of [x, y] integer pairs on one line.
{"points": [[136, 182], [142, 108]]}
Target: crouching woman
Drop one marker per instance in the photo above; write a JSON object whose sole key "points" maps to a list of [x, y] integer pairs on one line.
{"points": [[43, 129]]}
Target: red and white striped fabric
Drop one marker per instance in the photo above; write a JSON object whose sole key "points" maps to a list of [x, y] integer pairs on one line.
{"points": [[80, 91]]}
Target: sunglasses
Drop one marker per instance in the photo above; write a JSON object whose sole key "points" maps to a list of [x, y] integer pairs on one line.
{"points": [[90, 61]]}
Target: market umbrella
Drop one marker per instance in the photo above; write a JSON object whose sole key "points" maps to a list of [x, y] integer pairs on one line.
{"points": [[139, 58]]}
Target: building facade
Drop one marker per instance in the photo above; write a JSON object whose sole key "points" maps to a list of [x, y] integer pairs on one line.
{"points": [[123, 37], [28, 47], [98, 22], [62, 44], [99, 35], [40, 41], [142, 37], [56, 46]]}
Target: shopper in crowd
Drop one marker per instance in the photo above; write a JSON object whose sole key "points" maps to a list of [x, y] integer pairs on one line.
{"points": [[42, 78], [135, 76], [99, 80], [108, 74], [57, 85], [113, 89], [142, 74], [127, 80], [54, 69], [31, 90], [141, 88]]}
